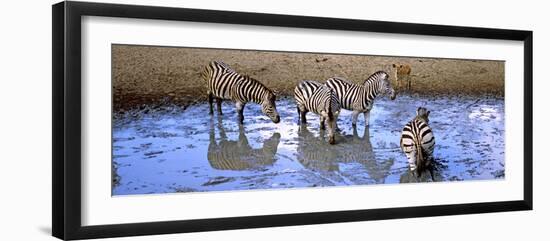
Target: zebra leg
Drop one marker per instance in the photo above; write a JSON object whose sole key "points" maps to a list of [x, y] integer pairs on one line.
{"points": [[411, 159], [302, 114], [210, 100], [219, 104], [331, 127], [240, 110], [367, 117], [354, 116], [322, 123]]}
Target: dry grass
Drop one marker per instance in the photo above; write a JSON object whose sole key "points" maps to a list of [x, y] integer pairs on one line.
{"points": [[150, 75]]}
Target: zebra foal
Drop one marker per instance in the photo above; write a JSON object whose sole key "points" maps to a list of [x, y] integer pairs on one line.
{"points": [[360, 98], [222, 82], [321, 100]]}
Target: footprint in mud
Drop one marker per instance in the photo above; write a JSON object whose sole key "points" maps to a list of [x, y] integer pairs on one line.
{"points": [[153, 153], [184, 189], [115, 139], [143, 146]]}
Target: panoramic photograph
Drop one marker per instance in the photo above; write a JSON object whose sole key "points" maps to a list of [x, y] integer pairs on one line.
{"points": [[188, 119]]}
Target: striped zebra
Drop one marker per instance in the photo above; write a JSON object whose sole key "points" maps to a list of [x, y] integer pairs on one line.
{"points": [[222, 82], [360, 98], [227, 154], [417, 141], [319, 99]]}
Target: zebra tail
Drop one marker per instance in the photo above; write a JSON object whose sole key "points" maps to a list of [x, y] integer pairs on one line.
{"points": [[419, 159], [330, 115]]}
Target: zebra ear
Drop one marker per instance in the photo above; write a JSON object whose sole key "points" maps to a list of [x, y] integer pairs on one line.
{"points": [[428, 113], [418, 110]]}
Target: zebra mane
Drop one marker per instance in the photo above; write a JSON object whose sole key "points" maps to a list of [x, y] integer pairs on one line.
{"points": [[374, 77], [244, 78], [248, 78], [344, 80], [225, 66]]}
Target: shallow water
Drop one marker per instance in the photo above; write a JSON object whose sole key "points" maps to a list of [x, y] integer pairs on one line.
{"points": [[175, 150]]}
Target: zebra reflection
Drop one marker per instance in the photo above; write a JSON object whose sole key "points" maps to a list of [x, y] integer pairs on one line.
{"points": [[434, 175], [317, 155], [314, 153], [409, 177], [237, 154]]}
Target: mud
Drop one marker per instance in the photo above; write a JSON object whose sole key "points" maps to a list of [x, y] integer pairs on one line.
{"points": [[169, 148]]}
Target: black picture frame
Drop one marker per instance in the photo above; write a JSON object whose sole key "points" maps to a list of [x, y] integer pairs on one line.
{"points": [[66, 76]]}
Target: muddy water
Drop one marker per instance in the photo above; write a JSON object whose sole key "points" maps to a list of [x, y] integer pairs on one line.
{"points": [[174, 150]]}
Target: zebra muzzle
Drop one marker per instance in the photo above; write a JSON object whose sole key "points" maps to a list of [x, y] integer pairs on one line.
{"points": [[277, 119], [393, 95]]}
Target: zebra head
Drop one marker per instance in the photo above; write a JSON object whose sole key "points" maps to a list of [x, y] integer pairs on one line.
{"points": [[269, 108], [423, 114], [382, 85], [385, 86]]}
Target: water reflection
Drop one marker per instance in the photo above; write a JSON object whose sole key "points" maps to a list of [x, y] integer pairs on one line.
{"points": [[432, 174], [317, 155], [409, 177], [238, 154]]}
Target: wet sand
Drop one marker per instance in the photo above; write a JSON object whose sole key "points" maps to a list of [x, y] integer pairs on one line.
{"points": [[167, 75]]}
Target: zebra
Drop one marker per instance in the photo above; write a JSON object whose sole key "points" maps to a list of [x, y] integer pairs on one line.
{"points": [[222, 82], [238, 154], [360, 98], [319, 99], [417, 141]]}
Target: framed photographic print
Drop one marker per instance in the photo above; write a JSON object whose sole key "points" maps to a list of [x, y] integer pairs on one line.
{"points": [[169, 120]]}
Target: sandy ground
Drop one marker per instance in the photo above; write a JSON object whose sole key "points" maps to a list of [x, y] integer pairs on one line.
{"points": [[156, 75]]}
